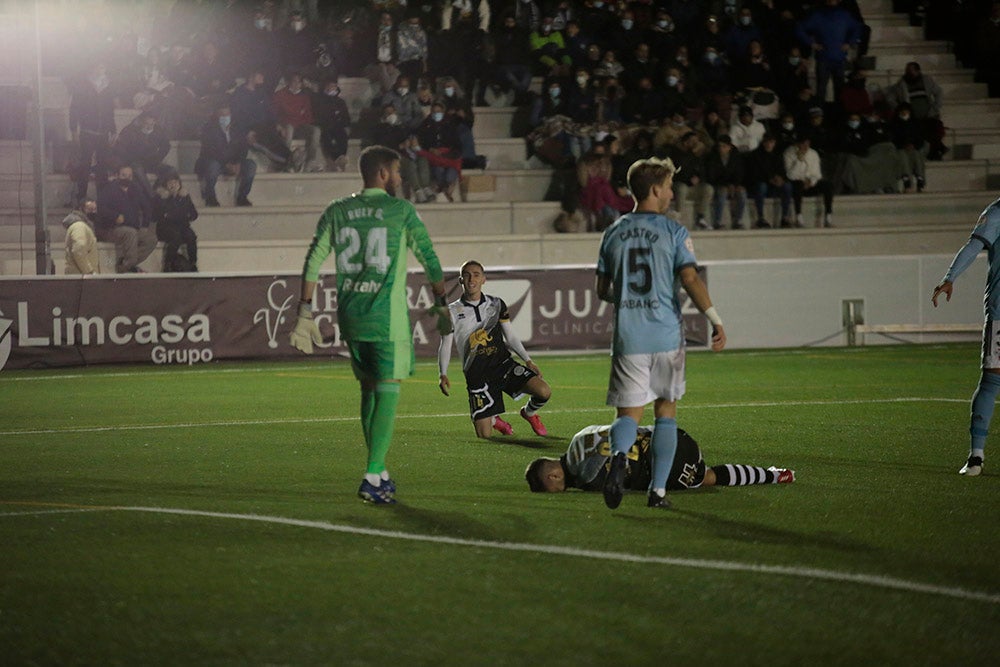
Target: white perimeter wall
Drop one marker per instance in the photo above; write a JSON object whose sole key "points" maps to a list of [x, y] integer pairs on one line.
{"points": [[788, 303]]}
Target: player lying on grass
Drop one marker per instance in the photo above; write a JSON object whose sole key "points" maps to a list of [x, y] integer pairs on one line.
{"points": [[485, 338], [585, 466]]}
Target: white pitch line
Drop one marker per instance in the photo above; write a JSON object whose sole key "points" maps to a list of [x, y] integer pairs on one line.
{"points": [[440, 415], [875, 581]]}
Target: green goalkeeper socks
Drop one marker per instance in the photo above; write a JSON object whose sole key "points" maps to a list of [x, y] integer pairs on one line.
{"points": [[382, 423]]}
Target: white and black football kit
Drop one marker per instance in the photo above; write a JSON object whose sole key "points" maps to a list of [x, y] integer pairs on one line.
{"points": [[588, 457], [487, 363]]}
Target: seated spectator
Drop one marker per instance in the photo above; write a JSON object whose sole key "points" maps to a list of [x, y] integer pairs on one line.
{"points": [[802, 167], [711, 126], [925, 99], [601, 203], [662, 37], [640, 65], [594, 61], [224, 151], [127, 221], [871, 162], [404, 101], [425, 98], [855, 97], [142, 145], [211, 75], [548, 50], [609, 66], [688, 156], [786, 132], [803, 105], [714, 79], [254, 120], [458, 106], [581, 105], [577, 45], [609, 98], [747, 132], [740, 35], [766, 178], [755, 71], [725, 173], [333, 118], [413, 166], [679, 95], [81, 241], [623, 37], [791, 75], [908, 136], [549, 104], [442, 147], [512, 64], [174, 212], [670, 132], [644, 105], [293, 108]]}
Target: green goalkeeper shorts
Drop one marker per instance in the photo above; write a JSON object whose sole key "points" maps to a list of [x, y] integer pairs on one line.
{"points": [[382, 360]]}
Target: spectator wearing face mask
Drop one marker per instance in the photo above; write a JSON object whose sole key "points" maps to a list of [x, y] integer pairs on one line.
{"points": [[142, 145], [257, 47], [442, 147], [459, 108], [297, 43], [404, 101], [907, 135], [224, 151], [333, 118], [624, 36], [383, 72], [737, 39], [550, 103], [81, 241], [661, 37], [791, 74], [713, 77], [581, 103], [127, 217], [548, 50], [411, 47]]}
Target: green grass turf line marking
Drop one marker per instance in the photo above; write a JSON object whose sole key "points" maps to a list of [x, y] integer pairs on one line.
{"points": [[874, 581], [442, 415]]}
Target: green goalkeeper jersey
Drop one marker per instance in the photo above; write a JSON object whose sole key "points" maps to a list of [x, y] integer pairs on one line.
{"points": [[368, 233]]}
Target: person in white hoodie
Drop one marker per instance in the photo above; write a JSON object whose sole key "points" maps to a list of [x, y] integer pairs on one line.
{"points": [[81, 242], [802, 167]]}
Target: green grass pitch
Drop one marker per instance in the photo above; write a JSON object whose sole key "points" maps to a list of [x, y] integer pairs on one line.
{"points": [[880, 553]]}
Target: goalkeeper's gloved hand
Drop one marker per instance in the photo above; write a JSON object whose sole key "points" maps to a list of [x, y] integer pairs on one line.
{"points": [[443, 315], [306, 332]]}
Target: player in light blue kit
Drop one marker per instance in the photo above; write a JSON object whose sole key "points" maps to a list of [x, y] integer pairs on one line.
{"points": [[643, 256], [985, 235]]}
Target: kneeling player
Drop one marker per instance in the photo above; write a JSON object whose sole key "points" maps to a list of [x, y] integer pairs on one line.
{"points": [[485, 338], [585, 466]]}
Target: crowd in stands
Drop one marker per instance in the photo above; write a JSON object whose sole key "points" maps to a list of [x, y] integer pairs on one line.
{"points": [[743, 93]]}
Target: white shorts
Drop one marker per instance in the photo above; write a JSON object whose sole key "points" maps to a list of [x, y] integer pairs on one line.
{"points": [[639, 379], [991, 344]]}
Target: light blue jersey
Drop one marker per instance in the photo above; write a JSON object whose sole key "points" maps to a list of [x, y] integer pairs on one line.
{"points": [[987, 232], [641, 254]]}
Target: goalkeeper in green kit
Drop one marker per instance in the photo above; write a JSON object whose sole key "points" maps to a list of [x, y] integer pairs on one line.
{"points": [[369, 233]]}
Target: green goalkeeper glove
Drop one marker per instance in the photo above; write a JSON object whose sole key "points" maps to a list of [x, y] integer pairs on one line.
{"points": [[306, 332], [443, 315]]}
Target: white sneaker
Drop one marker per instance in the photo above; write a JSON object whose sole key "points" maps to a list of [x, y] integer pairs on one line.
{"points": [[972, 467]]}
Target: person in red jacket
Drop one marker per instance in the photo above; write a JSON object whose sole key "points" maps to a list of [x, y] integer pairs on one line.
{"points": [[293, 107]]}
